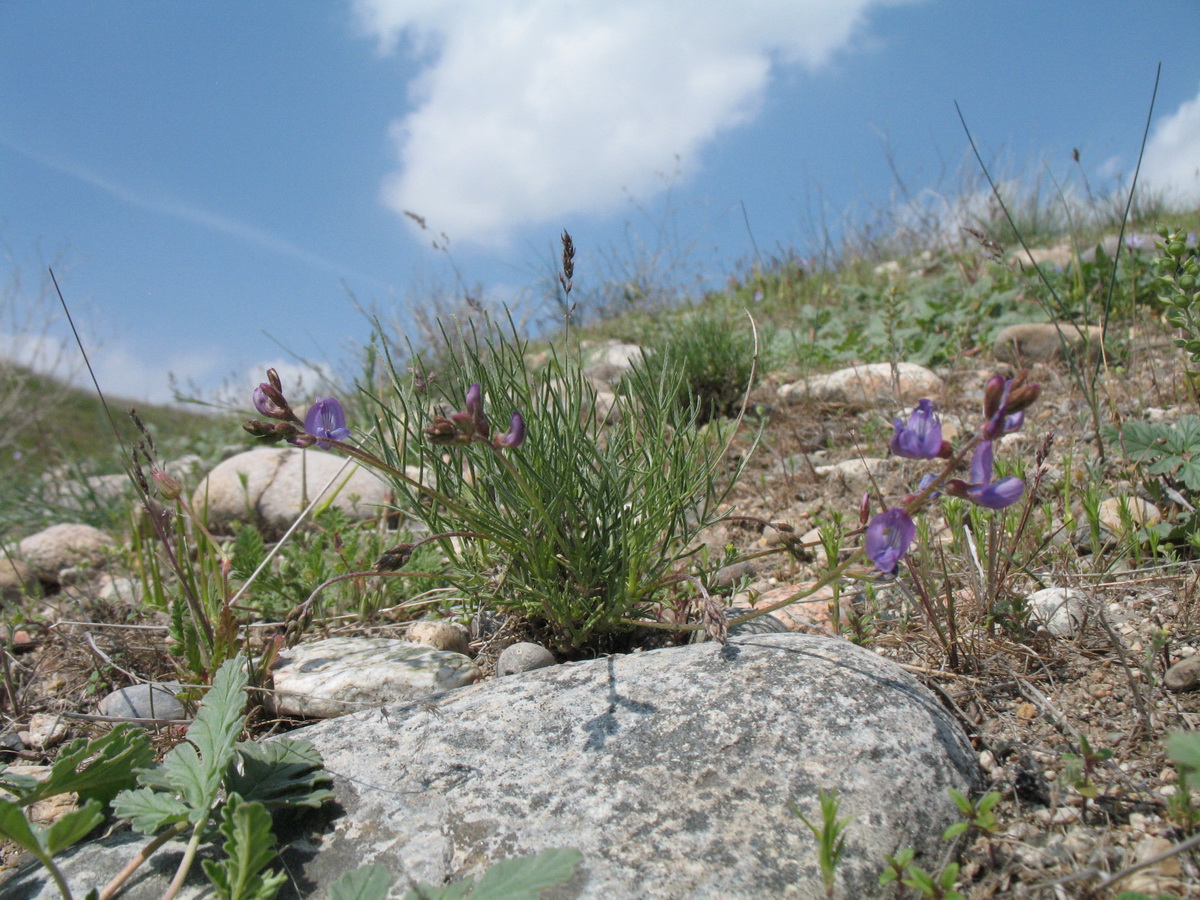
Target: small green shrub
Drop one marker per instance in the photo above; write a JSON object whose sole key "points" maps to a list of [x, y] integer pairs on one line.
{"points": [[711, 364]]}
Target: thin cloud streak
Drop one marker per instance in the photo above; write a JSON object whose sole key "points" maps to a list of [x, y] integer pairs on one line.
{"points": [[193, 215]]}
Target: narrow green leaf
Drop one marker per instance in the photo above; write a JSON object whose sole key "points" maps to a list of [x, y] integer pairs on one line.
{"points": [[954, 831], [367, 883], [949, 876], [963, 804], [988, 803], [74, 826]]}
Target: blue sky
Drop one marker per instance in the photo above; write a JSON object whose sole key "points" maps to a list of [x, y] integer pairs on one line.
{"points": [[216, 181]]}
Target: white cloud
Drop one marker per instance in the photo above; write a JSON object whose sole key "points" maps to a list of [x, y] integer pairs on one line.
{"points": [[1172, 160], [528, 111]]}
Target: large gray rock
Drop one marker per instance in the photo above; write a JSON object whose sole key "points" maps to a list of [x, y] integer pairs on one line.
{"points": [[269, 486], [672, 771], [58, 548]]}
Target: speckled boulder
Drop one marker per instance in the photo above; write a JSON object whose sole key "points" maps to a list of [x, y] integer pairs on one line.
{"points": [[58, 548], [269, 486], [673, 773]]}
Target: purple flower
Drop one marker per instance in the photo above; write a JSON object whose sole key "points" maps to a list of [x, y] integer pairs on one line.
{"points": [[475, 410], [921, 438], [888, 537], [515, 436], [982, 491], [326, 422]]}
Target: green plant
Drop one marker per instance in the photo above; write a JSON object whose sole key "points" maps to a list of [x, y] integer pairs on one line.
{"points": [[978, 815], [212, 777], [1179, 280], [900, 869], [1184, 750], [585, 525], [711, 365], [1081, 767], [830, 835], [93, 770]]}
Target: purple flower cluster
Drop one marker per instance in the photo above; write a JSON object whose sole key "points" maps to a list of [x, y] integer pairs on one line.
{"points": [[472, 425], [891, 532], [324, 422]]}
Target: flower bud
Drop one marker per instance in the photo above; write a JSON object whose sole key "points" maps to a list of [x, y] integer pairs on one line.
{"points": [[273, 378], [168, 487], [993, 395], [442, 431], [864, 509], [270, 402]]}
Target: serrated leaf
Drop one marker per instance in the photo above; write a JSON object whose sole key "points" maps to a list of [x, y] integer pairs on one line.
{"points": [[74, 826], [149, 810], [219, 721], [1189, 473], [249, 846], [194, 771], [286, 772], [15, 827], [366, 883], [524, 879], [98, 769]]}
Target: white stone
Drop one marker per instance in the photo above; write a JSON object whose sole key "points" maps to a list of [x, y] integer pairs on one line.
{"points": [[68, 546], [349, 674], [1141, 513], [1061, 611], [870, 385], [269, 486]]}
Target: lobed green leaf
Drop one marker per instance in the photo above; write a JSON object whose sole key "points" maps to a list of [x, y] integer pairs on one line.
{"points": [[249, 846], [366, 883]]}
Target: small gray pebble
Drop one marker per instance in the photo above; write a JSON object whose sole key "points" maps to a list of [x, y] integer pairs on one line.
{"points": [[1184, 675], [731, 575], [523, 657], [143, 701], [11, 742]]}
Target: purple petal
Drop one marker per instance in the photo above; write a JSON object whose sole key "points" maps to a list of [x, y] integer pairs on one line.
{"points": [[515, 436], [889, 535], [981, 464], [475, 409], [1002, 494]]}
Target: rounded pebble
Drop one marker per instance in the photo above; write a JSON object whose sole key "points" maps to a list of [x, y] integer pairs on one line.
{"points": [[523, 657], [143, 701], [1183, 676], [439, 635]]}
